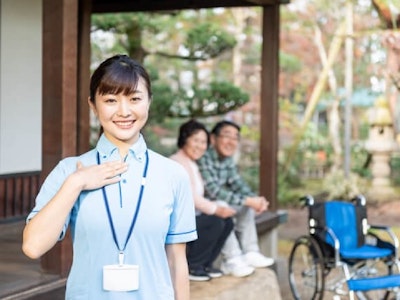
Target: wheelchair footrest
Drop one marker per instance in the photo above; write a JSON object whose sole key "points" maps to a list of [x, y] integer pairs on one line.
{"points": [[374, 283]]}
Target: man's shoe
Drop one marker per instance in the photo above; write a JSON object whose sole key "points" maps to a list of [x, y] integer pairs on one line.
{"points": [[198, 275], [257, 260], [237, 267], [213, 272]]}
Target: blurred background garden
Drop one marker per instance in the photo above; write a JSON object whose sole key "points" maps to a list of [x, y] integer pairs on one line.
{"points": [[338, 87]]}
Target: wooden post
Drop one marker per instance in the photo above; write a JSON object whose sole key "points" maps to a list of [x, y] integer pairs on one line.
{"points": [[269, 109], [60, 31], [85, 12]]}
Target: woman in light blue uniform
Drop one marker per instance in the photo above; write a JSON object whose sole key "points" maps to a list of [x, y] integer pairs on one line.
{"points": [[130, 210]]}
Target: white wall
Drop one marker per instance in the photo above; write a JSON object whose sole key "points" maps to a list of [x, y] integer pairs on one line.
{"points": [[20, 85]]}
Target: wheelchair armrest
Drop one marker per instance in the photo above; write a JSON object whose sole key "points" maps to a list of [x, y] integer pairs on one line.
{"points": [[379, 227], [336, 242], [390, 233]]}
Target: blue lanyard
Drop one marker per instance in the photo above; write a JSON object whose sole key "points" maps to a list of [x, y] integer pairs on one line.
{"points": [[121, 251]]}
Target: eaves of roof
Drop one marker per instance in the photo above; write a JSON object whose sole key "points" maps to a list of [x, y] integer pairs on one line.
{"points": [[108, 6]]}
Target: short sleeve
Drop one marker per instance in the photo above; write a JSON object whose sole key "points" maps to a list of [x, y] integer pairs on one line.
{"points": [[50, 187], [183, 221]]}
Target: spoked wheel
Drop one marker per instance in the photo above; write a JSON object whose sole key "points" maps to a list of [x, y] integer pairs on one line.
{"points": [[306, 269]]}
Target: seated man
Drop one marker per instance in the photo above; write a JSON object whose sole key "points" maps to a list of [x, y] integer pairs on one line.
{"points": [[241, 253]]}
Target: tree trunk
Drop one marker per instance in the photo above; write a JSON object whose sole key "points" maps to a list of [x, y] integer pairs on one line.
{"points": [[333, 109], [317, 91]]}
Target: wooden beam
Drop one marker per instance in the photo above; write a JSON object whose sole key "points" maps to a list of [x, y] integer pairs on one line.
{"points": [[269, 109], [269, 2], [106, 6]]}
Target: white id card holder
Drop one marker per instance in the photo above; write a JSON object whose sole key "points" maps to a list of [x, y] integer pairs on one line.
{"points": [[121, 278]]}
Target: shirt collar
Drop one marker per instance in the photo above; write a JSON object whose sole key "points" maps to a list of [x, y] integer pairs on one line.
{"points": [[214, 154], [107, 149]]}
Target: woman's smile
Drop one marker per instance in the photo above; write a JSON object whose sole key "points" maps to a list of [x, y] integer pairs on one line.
{"points": [[127, 124]]}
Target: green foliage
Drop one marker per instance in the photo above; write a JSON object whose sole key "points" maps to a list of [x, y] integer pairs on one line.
{"points": [[121, 23], [249, 133], [395, 169], [334, 185], [287, 194], [251, 176], [163, 99], [340, 187], [156, 135], [289, 63], [360, 158], [314, 139], [292, 178], [169, 54], [253, 55], [291, 182], [206, 41], [218, 98]]}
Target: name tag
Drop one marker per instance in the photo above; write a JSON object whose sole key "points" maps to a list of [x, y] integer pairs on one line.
{"points": [[121, 278]]}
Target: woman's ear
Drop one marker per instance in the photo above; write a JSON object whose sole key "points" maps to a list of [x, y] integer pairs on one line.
{"points": [[92, 106]]}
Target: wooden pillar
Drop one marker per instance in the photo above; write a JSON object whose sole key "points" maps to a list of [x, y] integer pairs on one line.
{"points": [[60, 129], [269, 110]]}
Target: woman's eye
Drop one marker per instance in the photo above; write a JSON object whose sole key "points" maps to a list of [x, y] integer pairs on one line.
{"points": [[135, 99], [110, 100]]}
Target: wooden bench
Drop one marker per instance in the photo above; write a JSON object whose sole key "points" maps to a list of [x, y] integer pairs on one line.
{"points": [[270, 220], [267, 229]]}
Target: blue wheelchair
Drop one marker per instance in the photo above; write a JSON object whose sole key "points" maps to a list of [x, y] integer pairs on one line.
{"points": [[344, 257]]}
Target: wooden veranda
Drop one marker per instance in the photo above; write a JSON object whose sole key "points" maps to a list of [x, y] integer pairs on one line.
{"points": [[65, 113]]}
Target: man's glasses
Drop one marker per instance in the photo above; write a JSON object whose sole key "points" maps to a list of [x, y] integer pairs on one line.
{"points": [[229, 137]]}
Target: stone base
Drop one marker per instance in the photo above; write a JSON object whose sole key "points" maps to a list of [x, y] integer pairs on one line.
{"points": [[381, 194], [261, 285]]}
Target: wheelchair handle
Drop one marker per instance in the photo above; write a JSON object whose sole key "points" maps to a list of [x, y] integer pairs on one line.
{"points": [[307, 200], [359, 200]]}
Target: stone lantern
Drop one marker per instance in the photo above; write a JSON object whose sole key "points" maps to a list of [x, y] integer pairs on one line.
{"points": [[381, 143]]}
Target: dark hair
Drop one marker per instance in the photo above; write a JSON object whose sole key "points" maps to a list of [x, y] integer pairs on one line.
{"points": [[188, 129], [221, 124], [118, 74]]}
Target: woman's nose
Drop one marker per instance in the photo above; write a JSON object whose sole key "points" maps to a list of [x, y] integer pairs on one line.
{"points": [[201, 145], [123, 108]]}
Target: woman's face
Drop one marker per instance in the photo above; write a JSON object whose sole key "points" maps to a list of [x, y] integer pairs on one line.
{"points": [[196, 145], [122, 116]]}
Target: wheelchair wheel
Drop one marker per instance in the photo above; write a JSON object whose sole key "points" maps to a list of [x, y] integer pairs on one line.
{"points": [[306, 269]]}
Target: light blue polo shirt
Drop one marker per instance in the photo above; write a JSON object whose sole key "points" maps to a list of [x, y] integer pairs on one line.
{"points": [[166, 216]]}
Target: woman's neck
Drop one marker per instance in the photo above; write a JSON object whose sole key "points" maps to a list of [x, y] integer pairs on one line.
{"points": [[123, 152]]}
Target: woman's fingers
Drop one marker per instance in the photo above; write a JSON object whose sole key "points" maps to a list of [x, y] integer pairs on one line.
{"points": [[112, 169], [97, 176]]}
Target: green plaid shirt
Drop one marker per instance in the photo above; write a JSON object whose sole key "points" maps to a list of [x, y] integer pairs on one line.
{"points": [[222, 180]]}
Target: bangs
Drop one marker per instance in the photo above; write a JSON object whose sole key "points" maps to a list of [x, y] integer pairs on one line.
{"points": [[119, 80]]}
